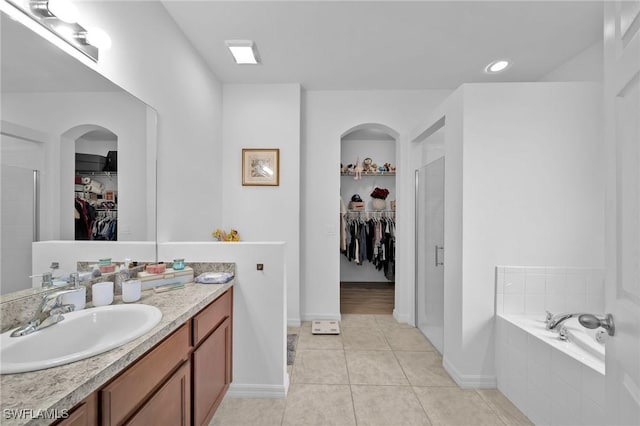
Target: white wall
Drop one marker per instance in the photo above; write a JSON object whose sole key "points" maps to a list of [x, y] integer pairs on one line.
{"points": [[264, 116], [327, 115], [57, 113], [585, 66], [259, 311], [530, 159]]}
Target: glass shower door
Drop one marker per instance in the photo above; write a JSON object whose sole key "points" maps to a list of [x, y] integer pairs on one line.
{"points": [[430, 252]]}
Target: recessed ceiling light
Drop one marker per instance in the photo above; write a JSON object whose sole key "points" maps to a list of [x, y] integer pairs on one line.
{"points": [[244, 52], [497, 66]]}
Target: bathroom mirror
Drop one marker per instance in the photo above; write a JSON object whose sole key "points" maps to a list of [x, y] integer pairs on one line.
{"points": [[68, 134]]}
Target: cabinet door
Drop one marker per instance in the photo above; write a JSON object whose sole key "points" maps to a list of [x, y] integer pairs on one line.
{"points": [[211, 373], [85, 413], [171, 404]]}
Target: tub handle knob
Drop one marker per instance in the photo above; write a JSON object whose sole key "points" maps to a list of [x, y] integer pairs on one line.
{"points": [[548, 318], [592, 321]]}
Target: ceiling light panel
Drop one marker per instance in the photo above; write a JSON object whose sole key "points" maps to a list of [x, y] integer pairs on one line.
{"points": [[244, 52]]}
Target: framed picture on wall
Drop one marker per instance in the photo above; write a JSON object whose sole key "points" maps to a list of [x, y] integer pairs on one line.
{"points": [[260, 167]]}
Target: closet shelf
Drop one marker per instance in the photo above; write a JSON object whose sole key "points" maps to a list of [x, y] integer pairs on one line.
{"points": [[89, 173], [369, 174], [370, 211]]}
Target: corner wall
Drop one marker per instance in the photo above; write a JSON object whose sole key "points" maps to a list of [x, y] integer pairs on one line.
{"points": [[264, 116], [259, 311], [529, 156], [326, 116]]}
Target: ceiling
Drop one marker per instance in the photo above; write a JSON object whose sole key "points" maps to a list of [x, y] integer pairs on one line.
{"points": [[327, 45]]}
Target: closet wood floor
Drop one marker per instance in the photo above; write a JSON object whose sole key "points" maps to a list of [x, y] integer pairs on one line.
{"points": [[367, 298]]}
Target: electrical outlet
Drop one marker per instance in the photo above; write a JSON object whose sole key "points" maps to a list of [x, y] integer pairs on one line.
{"points": [[259, 266]]}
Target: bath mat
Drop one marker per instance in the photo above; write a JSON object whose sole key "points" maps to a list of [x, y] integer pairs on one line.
{"points": [[325, 327], [292, 342]]}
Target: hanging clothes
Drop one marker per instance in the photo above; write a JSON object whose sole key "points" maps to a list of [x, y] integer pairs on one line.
{"points": [[370, 239], [86, 215]]}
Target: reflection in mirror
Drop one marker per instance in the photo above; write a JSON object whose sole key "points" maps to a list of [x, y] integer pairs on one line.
{"points": [[63, 123]]}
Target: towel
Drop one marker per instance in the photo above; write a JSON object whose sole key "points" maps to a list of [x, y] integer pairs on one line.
{"points": [[95, 187], [86, 180], [214, 277]]}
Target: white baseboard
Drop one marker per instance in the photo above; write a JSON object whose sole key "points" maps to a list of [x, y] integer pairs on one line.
{"points": [[469, 381], [257, 391], [294, 322], [323, 316], [404, 318]]}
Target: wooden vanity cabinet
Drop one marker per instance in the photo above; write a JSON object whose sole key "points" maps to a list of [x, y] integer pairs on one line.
{"points": [[179, 382], [211, 357], [171, 404], [133, 388]]}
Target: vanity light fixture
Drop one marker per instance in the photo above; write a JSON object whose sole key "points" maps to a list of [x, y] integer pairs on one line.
{"points": [[244, 52], [61, 18], [93, 37], [497, 66], [63, 10]]}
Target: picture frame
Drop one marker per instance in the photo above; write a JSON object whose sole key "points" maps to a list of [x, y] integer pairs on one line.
{"points": [[260, 167]]}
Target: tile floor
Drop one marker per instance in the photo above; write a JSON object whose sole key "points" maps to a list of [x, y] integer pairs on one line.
{"points": [[377, 372]]}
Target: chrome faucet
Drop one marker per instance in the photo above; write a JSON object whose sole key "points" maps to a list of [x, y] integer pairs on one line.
{"points": [[553, 321], [49, 313]]}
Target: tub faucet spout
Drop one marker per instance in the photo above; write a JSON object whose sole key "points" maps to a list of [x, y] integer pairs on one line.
{"points": [[555, 320]]}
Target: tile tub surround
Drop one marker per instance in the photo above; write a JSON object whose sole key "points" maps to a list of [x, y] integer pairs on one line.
{"points": [[63, 387], [339, 380], [535, 289], [544, 382]]}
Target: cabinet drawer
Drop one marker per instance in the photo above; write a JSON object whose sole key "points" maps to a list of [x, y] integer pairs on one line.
{"points": [[205, 321], [171, 405], [124, 394]]}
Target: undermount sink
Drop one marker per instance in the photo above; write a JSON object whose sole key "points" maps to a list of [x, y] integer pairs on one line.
{"points": [[82, 334]]}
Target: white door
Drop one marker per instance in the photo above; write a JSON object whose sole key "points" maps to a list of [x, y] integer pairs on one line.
{"points": [[622, 142]]}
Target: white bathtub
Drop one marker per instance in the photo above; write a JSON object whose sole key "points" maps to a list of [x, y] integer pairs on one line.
{"points": [[553, 382], [581, 344]]}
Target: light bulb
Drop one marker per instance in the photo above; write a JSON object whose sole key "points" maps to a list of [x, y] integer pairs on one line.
{"points": [[66, 32], [497, 66], [98, 38], [64, 10]]}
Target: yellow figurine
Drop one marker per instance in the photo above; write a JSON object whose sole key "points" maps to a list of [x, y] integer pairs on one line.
{"points": [[221, 235]]}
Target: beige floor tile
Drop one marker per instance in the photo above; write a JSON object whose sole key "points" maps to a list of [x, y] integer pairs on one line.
{"points": [[358, 321], [374, 368], [505, 409], [293, 330], [407, 339], [424, 368], [320, 367], [249, 412], [321, 405], [388, 321], [306, 340], [455, 406], [361, 339], [387, 405]]}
